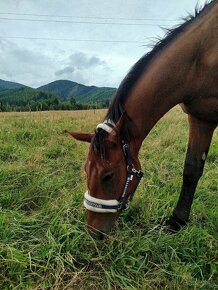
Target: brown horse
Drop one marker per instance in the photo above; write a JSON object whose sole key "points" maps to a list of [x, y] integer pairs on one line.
{"points": [[181, 69]]}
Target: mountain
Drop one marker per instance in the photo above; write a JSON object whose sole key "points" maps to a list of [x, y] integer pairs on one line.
{"points": [[22, 95], [10, 85], [25, 99], [85, 94], [58, 95], [28, 99]]}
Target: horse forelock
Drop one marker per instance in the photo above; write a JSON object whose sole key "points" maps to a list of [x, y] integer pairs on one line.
{"points": [[98, 142]]}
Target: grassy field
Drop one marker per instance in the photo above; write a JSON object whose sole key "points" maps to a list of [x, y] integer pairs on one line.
{"points": [[43, 240]]}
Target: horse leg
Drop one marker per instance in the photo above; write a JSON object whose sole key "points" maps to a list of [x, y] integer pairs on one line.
{"points": [[200, 135]]}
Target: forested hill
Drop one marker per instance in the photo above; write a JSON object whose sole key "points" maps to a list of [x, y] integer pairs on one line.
{"points": [[85, 94], [58, 95], [10, 85]]}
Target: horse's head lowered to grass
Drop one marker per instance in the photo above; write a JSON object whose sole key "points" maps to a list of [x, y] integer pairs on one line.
{"points": [[113, 173]]}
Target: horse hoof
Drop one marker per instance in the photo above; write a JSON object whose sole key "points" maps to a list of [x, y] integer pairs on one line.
{"points": [[174, 224]]}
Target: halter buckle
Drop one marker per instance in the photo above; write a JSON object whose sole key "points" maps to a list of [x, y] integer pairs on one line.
{"points": [[131, 169]]}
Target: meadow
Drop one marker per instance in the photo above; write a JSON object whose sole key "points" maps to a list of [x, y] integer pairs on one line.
{"points": [[44, 243]]}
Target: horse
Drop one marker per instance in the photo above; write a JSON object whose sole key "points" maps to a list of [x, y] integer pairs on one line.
{"points": [[182, 68]]}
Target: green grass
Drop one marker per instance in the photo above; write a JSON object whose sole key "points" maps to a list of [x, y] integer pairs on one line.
{"points": [[43, 240]]}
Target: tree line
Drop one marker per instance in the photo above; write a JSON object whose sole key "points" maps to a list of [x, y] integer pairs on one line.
{"points": [[45, 102]]}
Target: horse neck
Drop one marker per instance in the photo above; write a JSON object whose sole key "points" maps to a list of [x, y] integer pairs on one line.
{"points": [[162, 85], [171, 76]]}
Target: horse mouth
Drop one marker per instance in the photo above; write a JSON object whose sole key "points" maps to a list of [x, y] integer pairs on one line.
{"points": [[100, 225], [97, 234]]}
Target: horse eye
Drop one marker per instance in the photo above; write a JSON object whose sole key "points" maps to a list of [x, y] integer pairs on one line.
{"points": [[107, 176]]}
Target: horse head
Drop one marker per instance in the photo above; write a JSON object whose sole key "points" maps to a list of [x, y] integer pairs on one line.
{"points": [[113, 173]]}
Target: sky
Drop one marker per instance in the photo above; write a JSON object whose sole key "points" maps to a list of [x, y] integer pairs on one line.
{"points": [[93, 42]]}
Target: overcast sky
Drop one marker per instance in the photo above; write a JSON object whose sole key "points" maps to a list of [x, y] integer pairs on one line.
{"points": [[117, 34]]}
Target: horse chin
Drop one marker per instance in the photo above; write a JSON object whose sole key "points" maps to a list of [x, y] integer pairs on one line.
{"points": [[100, 224]]}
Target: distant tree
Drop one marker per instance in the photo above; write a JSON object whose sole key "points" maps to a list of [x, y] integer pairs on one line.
{"points": [[56, 101], [1, 107], [107, 103], [72, 101], [42, 95]]}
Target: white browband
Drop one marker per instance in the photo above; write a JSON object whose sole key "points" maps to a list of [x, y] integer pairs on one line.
{"points": [[100, 205], [107, 126]]}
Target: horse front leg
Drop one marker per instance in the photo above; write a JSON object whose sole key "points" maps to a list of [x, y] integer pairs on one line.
{"points": [[200, 135]]}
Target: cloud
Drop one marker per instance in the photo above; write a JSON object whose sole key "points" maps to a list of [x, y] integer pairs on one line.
{"points": [[84, 68], [65, 71], [22, 64], [80, 60], [34, 67]]}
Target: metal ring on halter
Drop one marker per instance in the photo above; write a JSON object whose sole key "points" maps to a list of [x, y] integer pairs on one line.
{"points": [[130, 168]]}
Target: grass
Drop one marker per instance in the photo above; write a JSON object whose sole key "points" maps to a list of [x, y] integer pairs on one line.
{"points": [[43, 239]]}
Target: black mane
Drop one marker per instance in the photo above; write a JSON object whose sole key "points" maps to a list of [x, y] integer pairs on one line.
{"points": [[115, 110]]}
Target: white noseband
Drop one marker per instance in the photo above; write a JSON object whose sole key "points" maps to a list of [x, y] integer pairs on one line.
{"points": [[100, 205]]}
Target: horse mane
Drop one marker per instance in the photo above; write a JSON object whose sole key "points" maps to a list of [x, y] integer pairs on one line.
{"points": [[116, 107]]}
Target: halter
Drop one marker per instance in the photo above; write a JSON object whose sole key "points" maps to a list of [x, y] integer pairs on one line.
{"points": [[112, 206]]}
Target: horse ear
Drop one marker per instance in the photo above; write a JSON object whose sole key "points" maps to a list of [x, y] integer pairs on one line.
{"points": [[115, 133], [120, 123], [86, 137]]}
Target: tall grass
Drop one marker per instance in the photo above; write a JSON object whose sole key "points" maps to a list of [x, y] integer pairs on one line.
{"points": [[43, 239]]}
